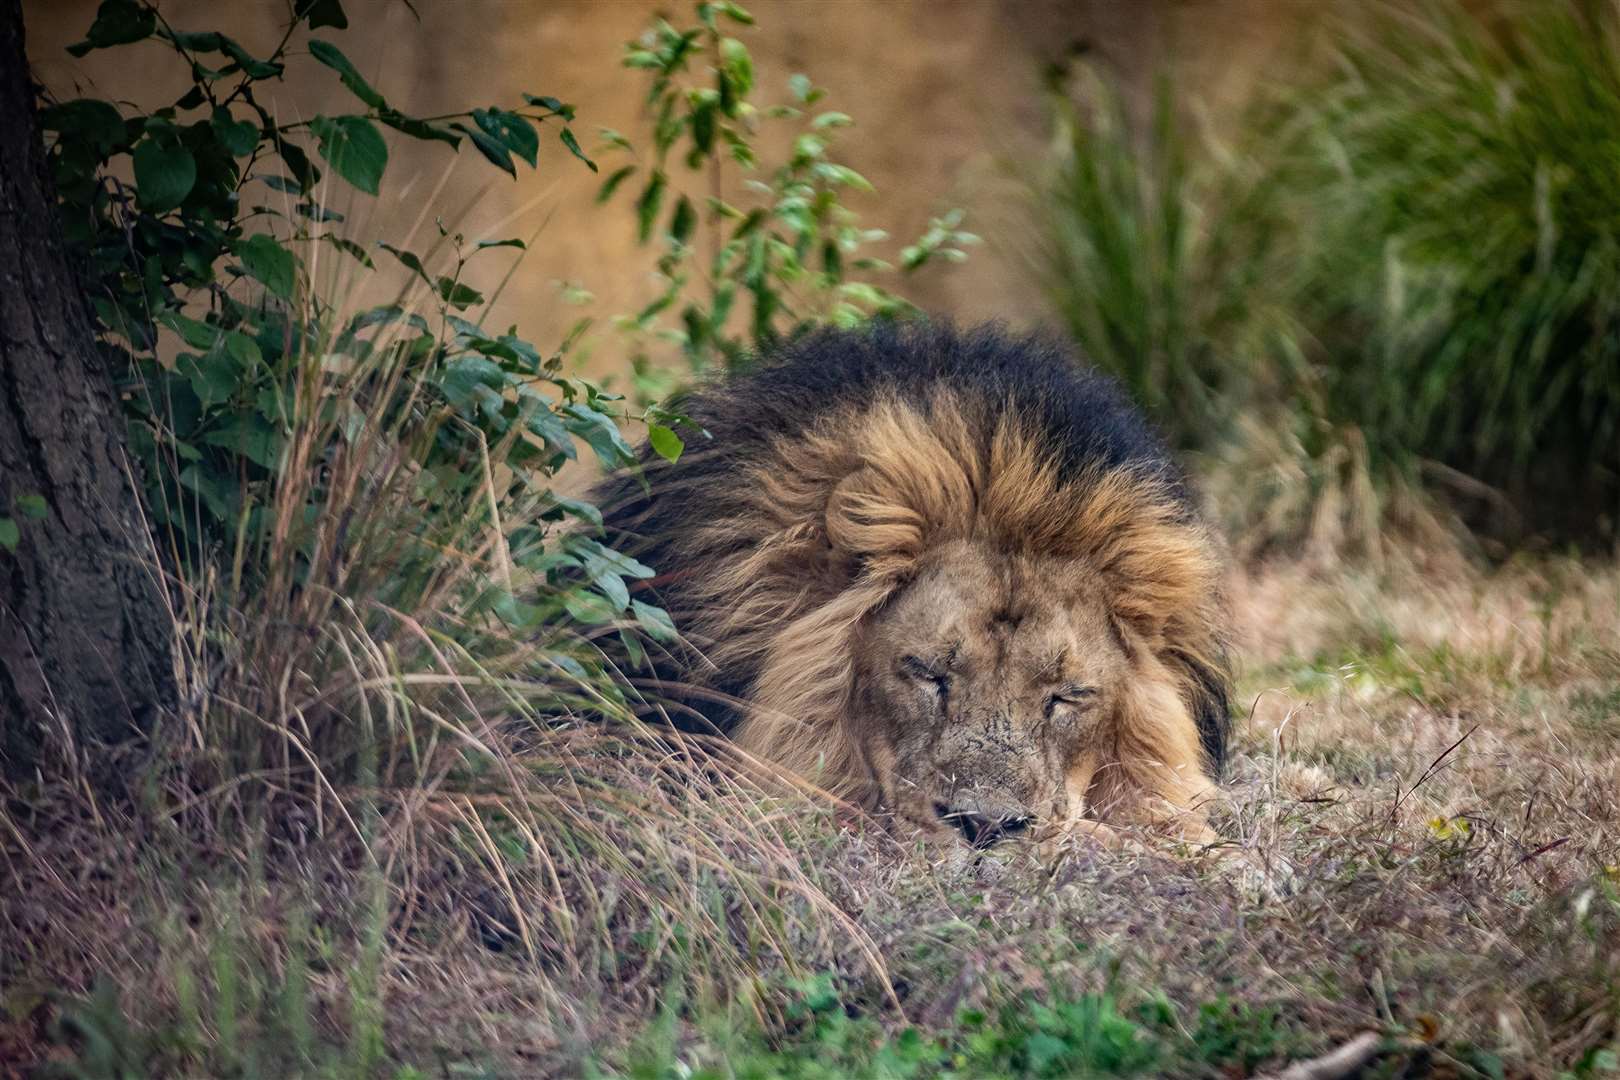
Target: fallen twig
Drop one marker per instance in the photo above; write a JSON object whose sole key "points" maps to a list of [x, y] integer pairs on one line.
{"points": [[1337, 1063]]}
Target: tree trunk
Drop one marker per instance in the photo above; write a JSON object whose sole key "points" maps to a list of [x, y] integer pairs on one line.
{"points": [[85, 637]]}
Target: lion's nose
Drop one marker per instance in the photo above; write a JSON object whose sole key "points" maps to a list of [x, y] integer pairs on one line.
{"points": [[980, 829]]}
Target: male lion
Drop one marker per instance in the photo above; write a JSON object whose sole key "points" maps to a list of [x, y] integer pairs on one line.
{"points": [[953, 575]]}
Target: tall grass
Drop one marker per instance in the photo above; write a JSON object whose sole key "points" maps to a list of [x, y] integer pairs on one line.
{"points": [[1396, 277], [1461, 252], [1120, 249], [403, 738]]}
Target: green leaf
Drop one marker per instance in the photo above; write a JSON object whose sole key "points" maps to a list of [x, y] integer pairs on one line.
{"points": [[252, 437], [239, 137], [656, 621], [589, 608], [219, 493], [611, 184], [89, 122], [9, 533], [680, 226], [514, 242], [492, 148], [634, 652], [652, 196], [354, 147], [409, 259], [298, 162], [666, 442], [214, 376], [197, 41], [738, 66], [598, 557], [568, 140], [546, 425], [252, 67], [118, 22], [322, 13], [316, 212], [457, 295], [198, 335], [243, 349], [32, 506], [385, 315], [419, 129], [584, 511], [514, 132], [462, 377], [333, 57], [350, 248], [268, 262], [600, 433], [165, 173], [613, 587]]}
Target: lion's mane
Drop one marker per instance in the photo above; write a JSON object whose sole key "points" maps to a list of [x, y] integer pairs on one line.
{"points": [[844, 457]]}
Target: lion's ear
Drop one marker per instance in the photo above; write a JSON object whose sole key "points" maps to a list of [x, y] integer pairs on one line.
{"points": [[874, 527], [914, 483]]}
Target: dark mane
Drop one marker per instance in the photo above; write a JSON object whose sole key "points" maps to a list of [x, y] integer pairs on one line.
{"points": [[1087, 418]]}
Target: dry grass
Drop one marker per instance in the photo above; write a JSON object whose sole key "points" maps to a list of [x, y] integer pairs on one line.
{"points": [[1429, 763]]}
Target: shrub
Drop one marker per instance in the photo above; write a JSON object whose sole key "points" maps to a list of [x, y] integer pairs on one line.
{"points": [[1461, 270], [785, 247], [1397, 282], [1130, 253]]}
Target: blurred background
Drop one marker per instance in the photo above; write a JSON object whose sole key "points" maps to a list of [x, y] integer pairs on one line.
{"points": [[1358, 259], [947, 96]]}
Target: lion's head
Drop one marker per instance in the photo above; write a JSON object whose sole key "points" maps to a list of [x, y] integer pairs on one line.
{"points": [[952, 577], [985, 690]]}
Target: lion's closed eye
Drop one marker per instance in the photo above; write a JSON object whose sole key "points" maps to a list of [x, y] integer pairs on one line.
{"points": [[935, 672], [1071, 697]]}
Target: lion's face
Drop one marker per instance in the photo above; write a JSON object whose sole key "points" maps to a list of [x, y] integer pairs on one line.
{"points": [[985, 691]]}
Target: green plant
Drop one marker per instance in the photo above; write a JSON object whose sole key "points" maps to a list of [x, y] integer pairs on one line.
{"points": [[1056, 1034], [1149, 250], [782, 240], [1396, 280], [394, 631], [1450, 186], [326, 480], [240, 1008], [199, 265]]}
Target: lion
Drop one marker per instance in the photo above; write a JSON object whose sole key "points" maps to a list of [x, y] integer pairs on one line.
{"points": [[952, 575]]}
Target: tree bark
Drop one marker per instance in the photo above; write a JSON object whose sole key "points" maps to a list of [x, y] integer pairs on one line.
{"points": [[86, 653]]}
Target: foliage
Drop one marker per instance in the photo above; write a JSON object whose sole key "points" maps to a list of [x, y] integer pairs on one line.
{"points": [[1050, 1034], [391, 627], [239, 1012], [331, 483], [200, 265], [1397, 275], [1461, 270], [785, 243], [1138, 258]]}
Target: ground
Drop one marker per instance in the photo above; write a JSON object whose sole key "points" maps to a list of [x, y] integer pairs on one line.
{"points": [[1424, 792]]}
